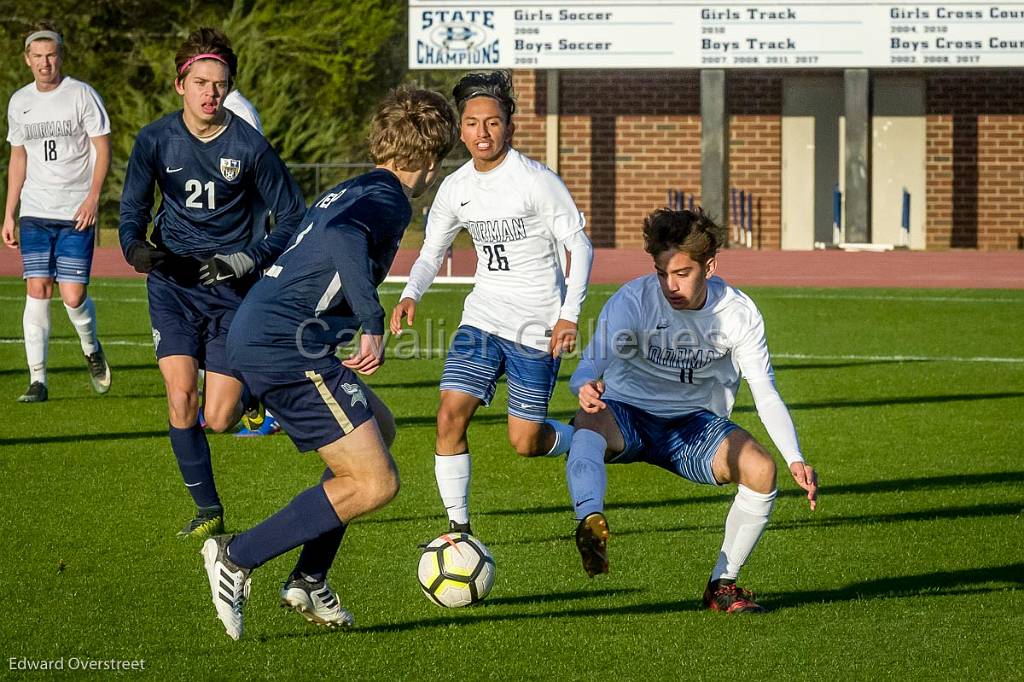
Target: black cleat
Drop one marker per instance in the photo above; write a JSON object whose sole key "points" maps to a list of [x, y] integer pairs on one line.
{"points": [[730, 598], [459, 528], [592, 542], [206, 523], [453, 528], [36, 393]]}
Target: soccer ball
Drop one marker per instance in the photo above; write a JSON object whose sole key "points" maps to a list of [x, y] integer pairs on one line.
{"points": [[456, 570]]}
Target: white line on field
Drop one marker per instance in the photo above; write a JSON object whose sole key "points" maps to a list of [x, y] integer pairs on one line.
{"points": [[896, 358], [102, 299], [441, 352], [913, 299], [385, 290]]}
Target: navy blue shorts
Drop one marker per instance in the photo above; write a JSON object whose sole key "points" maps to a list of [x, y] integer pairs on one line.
{"points": [[683, 445], [476, 360], [193, 320], [315, 408], [54, 249]]}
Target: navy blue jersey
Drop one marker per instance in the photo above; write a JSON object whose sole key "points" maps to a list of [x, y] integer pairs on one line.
{"points": [[210, 192], [323, 288]]}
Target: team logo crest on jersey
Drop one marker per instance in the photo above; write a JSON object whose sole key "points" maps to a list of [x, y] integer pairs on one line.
{"points": [[356, 394], [230, 168]]}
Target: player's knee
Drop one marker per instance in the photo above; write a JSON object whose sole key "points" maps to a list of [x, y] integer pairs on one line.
{"points": [[450, 423], [73, 299], [182, 406], [757, 468], [219, 422], [384, 487], [527, 443], [37, 287]]}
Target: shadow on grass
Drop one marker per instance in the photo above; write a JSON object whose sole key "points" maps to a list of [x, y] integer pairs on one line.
{"points": [[821, 521], [971, 581], [888, 402], [76, 369], [818, 521], [495, 416], [491, 416], [492, 611], [939, 583], [86, 397], [85, 437], [792, 365], [377, 385], [866, 487]]}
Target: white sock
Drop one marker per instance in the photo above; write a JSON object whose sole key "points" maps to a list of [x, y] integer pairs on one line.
{"points": [[84, 319], [563, 438], [585, 472], [744, 526], [452, 473], [36, 322]]}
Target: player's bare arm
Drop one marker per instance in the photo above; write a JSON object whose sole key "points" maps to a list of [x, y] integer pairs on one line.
{"points": [[370, 355], [563, 338], [590, 397], [406, 308], [16, 168], [805, 477]]}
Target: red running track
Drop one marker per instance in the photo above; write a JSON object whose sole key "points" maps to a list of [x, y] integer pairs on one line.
{"points": [[913, 269]]}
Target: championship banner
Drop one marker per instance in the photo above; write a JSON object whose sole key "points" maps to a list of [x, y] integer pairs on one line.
{"points": [[586, 34]]}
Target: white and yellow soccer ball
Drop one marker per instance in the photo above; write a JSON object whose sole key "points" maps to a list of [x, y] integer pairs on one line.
{"points": [[456, 570]]}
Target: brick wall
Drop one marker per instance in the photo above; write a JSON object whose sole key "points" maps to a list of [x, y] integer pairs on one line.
{"points": [[754, 104], [626, 137], [975, 160]]}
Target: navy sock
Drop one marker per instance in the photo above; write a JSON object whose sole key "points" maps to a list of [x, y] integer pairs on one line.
{"points": [[318, 554], [193, 454], [309, 515], [248, 399]]}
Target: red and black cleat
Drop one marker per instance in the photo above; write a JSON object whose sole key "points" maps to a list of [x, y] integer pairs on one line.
{"points": [[730, 598]]}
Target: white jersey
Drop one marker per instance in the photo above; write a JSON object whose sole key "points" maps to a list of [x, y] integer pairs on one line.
{"points": [[237, 104], [671, 362], [517, 214], [55, 127]]}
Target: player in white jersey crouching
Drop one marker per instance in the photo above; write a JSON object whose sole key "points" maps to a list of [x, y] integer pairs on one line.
{"points": [[522, 313], [657, 384]]}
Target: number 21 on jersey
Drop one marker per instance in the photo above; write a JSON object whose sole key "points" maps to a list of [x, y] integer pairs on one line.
{"points": [[195, 189]]}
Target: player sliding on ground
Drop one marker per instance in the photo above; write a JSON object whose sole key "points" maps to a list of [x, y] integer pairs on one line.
{"points": [[657, 384], [521, 315], [317, 295]]}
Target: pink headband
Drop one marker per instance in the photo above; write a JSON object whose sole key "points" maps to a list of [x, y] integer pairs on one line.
{"points": [[205, 55]]}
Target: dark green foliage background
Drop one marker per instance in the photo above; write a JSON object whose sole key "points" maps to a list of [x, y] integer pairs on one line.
{"points": [[315, 69]]}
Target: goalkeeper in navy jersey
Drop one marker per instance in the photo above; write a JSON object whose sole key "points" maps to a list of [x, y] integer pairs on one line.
{"points": [[206, 250], [319, 294]]}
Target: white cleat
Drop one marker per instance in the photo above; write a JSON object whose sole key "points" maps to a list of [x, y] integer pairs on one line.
{"points": [[316, 602], [229, 584], [99, 371]]}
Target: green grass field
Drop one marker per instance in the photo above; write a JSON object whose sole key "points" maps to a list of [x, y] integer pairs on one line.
{"points": [[909, 403]]}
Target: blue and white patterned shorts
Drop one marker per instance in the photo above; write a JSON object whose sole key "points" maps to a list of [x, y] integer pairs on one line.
{"points": [[53, 249], [476, 360], [683, 445]]}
